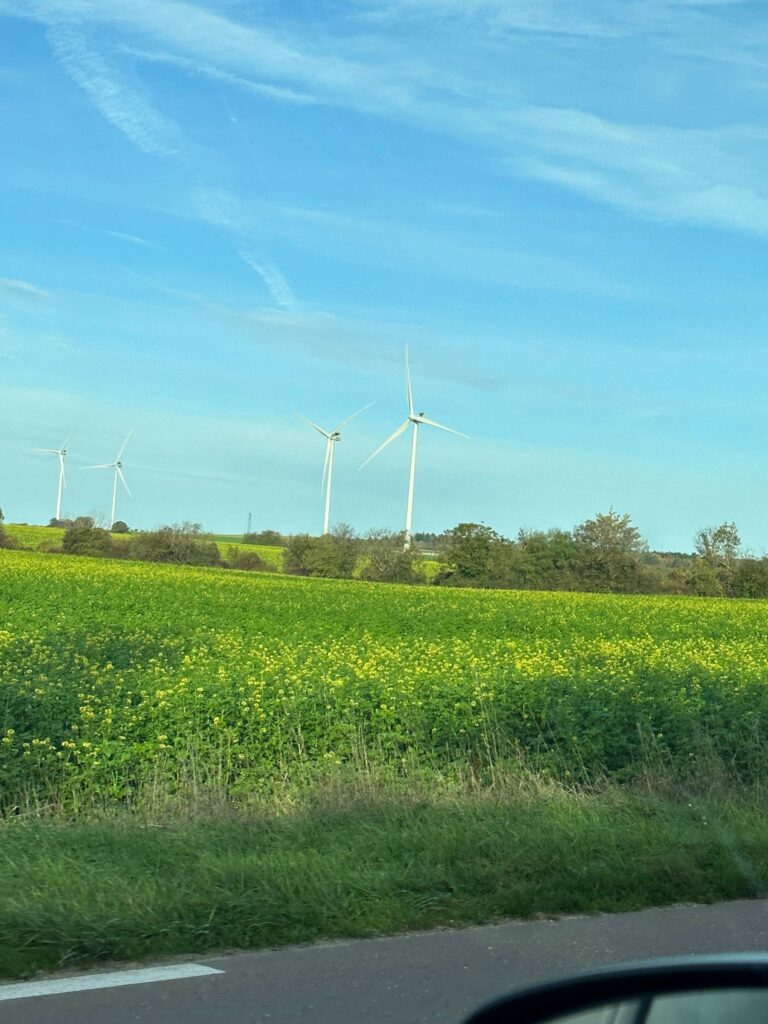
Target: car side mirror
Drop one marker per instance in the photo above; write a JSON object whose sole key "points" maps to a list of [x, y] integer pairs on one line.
{"points": [[725, 989]]}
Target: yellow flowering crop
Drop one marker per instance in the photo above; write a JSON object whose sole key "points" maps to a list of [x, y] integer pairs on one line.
{"points": [[115, 673]]}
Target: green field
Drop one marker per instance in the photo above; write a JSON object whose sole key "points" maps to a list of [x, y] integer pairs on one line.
{"points": [[241, 711], [115, 673]]}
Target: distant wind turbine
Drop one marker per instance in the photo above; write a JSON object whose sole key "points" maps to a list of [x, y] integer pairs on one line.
{"points": [[117, 466], [61, 453], [331, 439], [416, 419]]}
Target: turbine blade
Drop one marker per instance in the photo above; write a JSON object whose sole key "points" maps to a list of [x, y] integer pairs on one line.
{"points": [[318, 429], [125, 442], [350, 418], [408, 387], [432, 423], [106, 465], [46, 451], [397, 433], [69, 438], [326, 462], [122, 478]]}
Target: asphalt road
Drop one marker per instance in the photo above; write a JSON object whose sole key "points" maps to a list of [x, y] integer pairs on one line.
{"points": [[412, 979]]}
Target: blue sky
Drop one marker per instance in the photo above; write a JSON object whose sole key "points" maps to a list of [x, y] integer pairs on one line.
{"points": [[217, 215]]}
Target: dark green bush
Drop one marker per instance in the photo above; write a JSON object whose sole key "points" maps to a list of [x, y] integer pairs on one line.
{"points": [[182, 544]]}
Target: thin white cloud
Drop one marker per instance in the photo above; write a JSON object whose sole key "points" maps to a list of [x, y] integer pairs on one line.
{"points": [[273, 92], [23, 290], [278, 287], [681, 174], [662, 22], [217, 206], [120, 101], [120, 235]]}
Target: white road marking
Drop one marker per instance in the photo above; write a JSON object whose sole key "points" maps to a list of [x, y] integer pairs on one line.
{"points": [[85, 982]]}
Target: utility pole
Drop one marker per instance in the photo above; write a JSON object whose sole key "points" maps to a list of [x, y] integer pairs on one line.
{"points": [[250, 518]]}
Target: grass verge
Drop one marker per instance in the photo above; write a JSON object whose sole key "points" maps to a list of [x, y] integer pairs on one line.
{"points": [[358, 863]]}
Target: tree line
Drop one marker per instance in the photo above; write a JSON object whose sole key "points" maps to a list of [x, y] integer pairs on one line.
{"points": [[603, 554]]}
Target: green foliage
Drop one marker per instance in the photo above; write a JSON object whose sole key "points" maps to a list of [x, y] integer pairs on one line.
{"points": [[144, 669], [6, 540], [360, 860], [717, 549], [181, 544], [83, 538], [703, 580], [750, 578], [604, 554], [609, 549], [610, 532], [268, 537], [467, 552], [249, 561], [119, 527], [542, 560], [386, 560], [332, 555]]}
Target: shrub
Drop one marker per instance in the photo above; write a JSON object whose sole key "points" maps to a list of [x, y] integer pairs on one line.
{"points": [[119, 527], [386, 560], [182, 544], [332, 555], [270, 538], [84, 539], [467, 549], [249, 561], [751, 578], [6, 541]]}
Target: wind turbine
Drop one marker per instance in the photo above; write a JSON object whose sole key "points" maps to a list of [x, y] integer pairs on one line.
{"points": [[415, 419], [331, 439], [61, 452], [117, 466]]}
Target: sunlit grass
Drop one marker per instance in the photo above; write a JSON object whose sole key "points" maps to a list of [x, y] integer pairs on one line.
{"points": [[356, 859]]}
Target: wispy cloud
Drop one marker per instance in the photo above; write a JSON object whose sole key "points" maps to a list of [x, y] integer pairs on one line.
{"points": [[278, 287], [662, 23], [123, 103], [273, 92], [120, 235], [23, 290], [407, 244], [372, 346], [678, 173]]}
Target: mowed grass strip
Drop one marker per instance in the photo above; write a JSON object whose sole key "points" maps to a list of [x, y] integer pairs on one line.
{"points": [[75, 894]]}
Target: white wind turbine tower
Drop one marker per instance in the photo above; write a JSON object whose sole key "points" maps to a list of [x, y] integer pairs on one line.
{"points": [[415, 419], [61, 453], [117, 466], [332, 437]]}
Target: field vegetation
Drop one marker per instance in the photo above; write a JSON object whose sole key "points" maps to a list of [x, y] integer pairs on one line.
{"points": [[192, 757], [51, 539], [605, 554], [115, 674]]}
